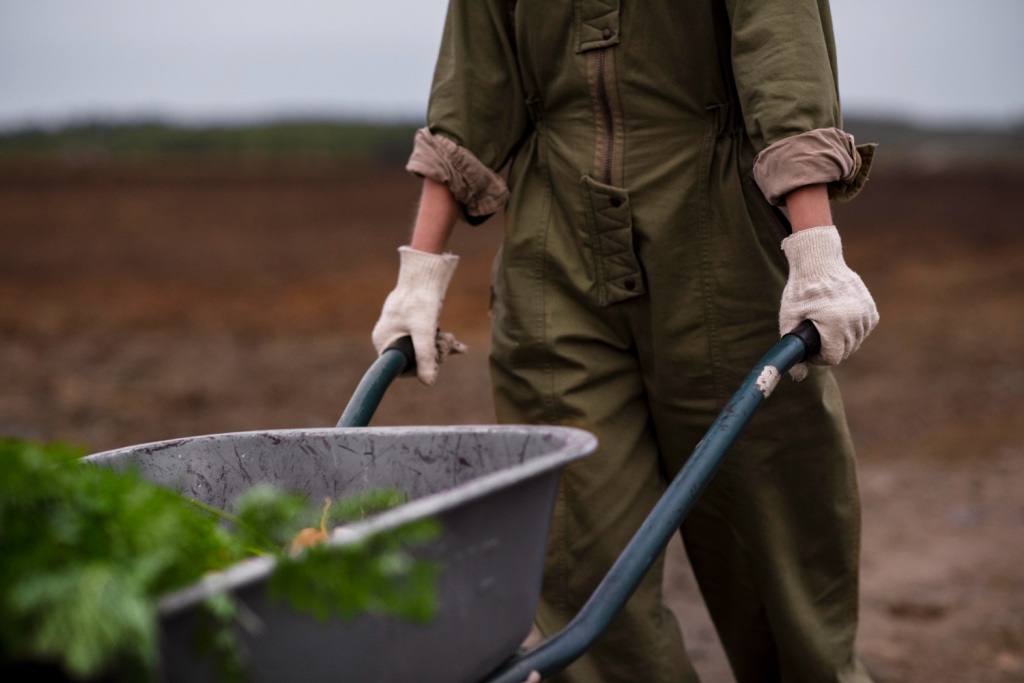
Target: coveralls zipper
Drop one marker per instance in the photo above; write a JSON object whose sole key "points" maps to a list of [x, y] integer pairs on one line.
{"points": [[606, 112]]}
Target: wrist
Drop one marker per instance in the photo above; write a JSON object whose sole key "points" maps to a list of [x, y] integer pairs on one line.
{"points": [[427, 243], [808, 207]]}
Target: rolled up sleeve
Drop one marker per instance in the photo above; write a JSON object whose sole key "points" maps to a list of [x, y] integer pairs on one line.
{"points": [[822, 156], [784, 61], [477, 113], [479, 189]]}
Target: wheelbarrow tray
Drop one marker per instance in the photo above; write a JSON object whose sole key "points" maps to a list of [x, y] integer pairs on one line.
{"points": [[491, 488]]}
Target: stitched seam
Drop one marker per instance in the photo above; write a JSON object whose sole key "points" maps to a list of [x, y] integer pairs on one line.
{"points": [[551, 416], [578, 25], [705, 252], [595, 108], [550, 410], [595, 243]]}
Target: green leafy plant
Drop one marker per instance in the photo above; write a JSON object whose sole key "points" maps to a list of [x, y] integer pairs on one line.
{"points": [[87, 551]]}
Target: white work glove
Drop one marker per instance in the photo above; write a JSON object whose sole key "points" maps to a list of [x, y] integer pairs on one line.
{"points": [[824, 290], [413, 308]]}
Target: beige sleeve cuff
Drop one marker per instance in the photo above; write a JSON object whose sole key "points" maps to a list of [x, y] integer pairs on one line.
{"points": [[825, 155], [478, 188]]}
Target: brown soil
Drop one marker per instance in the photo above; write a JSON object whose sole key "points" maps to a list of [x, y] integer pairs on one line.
{"points": [[143, 301]]}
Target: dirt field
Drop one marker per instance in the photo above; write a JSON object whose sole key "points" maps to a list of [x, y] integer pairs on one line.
{"points": [[141, 302]]}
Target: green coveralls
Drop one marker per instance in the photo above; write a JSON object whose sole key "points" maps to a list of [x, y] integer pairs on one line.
{"points": [[638, 283]]}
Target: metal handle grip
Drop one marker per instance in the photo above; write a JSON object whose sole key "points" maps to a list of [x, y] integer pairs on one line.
{"points": [[808, 334], [404, 346], [397, 359]]}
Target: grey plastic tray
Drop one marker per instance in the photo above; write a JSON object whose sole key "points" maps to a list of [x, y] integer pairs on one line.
{"points": [[491, 488]]}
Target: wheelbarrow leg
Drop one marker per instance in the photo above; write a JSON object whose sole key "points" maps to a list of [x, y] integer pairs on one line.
{"points": [[563, 648]]}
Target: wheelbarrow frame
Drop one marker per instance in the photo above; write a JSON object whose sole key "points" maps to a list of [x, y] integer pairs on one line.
{"points": [[559, 651]]}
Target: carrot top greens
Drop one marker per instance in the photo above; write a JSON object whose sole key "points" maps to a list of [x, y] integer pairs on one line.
{"points": [[87, 551]]}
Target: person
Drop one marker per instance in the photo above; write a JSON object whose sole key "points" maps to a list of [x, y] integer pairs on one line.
{"points": [[650, 159]]}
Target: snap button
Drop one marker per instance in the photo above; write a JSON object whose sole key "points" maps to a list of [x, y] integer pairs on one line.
{"points": [[606, 33], [629, 283], [615, 201]]}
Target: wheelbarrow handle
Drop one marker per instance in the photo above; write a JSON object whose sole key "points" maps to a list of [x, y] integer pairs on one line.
{"points": [[397, 359], [404, 346], [808, 334], [664, 520]]}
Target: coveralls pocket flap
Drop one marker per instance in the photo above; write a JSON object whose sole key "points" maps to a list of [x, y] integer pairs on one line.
{"points": [[617, 272], [597, 24]]}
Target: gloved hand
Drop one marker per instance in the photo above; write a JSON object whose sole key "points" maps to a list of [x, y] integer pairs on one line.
{"points": [[824, 290], [413, 308]]}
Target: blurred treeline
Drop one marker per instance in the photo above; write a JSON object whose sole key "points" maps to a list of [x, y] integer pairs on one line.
{"points": [[391, 143], [903, 142], [327, 140]]}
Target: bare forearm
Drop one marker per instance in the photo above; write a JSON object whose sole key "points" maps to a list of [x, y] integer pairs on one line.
{"points": [[435, 218], [808, 207]]}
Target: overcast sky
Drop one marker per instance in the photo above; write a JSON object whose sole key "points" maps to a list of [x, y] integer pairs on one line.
{"points": [[221, 60]]}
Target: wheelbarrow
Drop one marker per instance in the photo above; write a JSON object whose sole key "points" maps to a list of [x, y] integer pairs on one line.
{"points": [[492, 490]]}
